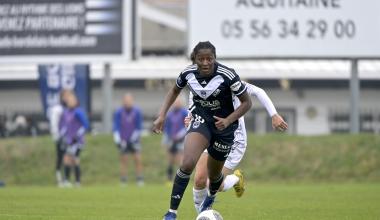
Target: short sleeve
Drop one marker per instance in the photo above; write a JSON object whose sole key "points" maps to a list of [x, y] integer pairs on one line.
{"points": [[236, 85], [181, 80]]}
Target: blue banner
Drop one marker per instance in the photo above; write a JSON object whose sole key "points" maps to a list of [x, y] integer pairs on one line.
{"points": [[54, 78]]}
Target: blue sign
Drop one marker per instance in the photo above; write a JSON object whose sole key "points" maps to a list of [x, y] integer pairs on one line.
{"points": [[54, 78]]}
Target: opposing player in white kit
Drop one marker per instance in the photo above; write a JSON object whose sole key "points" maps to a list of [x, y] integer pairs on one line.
{"points": [[233, 178]]}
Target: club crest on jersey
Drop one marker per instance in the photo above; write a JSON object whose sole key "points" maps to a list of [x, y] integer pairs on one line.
{"points": [[196, 124], [236, 86], [217, 91], [203, 93]]}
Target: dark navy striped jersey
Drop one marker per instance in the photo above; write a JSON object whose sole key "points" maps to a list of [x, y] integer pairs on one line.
{"points": [[212, 95]]}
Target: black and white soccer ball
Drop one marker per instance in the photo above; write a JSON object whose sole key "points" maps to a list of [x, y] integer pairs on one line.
{"points": [[209, 215]]}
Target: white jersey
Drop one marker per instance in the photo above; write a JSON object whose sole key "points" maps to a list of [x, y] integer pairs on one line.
{"points": [[241, 133], [55, 113], [240, 141]]}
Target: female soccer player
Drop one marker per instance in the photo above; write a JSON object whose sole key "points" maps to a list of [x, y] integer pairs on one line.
{"points": [[74, 125], [214, 124], [233, 179]]}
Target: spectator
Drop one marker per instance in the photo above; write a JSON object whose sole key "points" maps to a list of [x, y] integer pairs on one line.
{"points": [[74, 124], [55, 114], [174, 135], [127, 126]]}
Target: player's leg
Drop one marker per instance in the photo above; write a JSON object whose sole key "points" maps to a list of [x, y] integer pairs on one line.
{"points": [[67, 169], [234, 178], [218, 151], [77, 170], [59, 161], [171, 162], [200, 181], [229, 181], [195, 143], [123, 167], [215, 175], [233, 160], [138, 168]]}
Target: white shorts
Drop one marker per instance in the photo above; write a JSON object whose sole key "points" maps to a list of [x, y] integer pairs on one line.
{"points": [[73, 150], [235, 156]]}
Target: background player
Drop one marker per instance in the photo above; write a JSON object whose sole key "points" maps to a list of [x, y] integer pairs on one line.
{"points": [[237, 152], [55, 126], [74, 125], [174, 135], [127, 126], [214, 124]]}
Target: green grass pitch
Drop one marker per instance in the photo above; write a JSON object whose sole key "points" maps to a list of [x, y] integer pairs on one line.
{"points": [[262, 201]]}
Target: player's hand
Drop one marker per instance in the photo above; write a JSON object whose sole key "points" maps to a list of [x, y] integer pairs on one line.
{"points": [[187, 120], [221, 123], [123, 145], [158, 124], [278, 123]]}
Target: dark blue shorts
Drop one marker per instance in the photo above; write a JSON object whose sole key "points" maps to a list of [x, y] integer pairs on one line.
{"points": [[129, 148], [220, 141]]}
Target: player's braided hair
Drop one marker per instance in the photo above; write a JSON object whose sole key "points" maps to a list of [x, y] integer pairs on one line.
{"points": [[202, 45]]}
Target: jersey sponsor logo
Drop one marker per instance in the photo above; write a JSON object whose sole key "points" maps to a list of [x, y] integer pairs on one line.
{"points": [[216, 93], [215, 104], [221, 147], [236, 86]]}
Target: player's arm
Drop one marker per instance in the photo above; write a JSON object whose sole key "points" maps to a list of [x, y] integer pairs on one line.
{"points": [[82, 118], [240, 90], [116, 127], [263, 98], [222, 123], [55, 116], [188, 118], [182, 133], [191, 103], [278, 122], [137, 132]]}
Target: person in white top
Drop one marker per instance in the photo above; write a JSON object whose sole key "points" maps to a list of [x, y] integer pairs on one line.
{"points": [[233, 178], [55, 113]]}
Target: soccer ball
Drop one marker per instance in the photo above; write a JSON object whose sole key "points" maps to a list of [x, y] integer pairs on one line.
{"points": [[209, 215]]}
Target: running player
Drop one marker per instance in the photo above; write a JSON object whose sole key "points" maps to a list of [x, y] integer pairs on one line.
{"points": [[127, 126], [174, 135], [214, 124], [233, 178], [74, 125]]}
